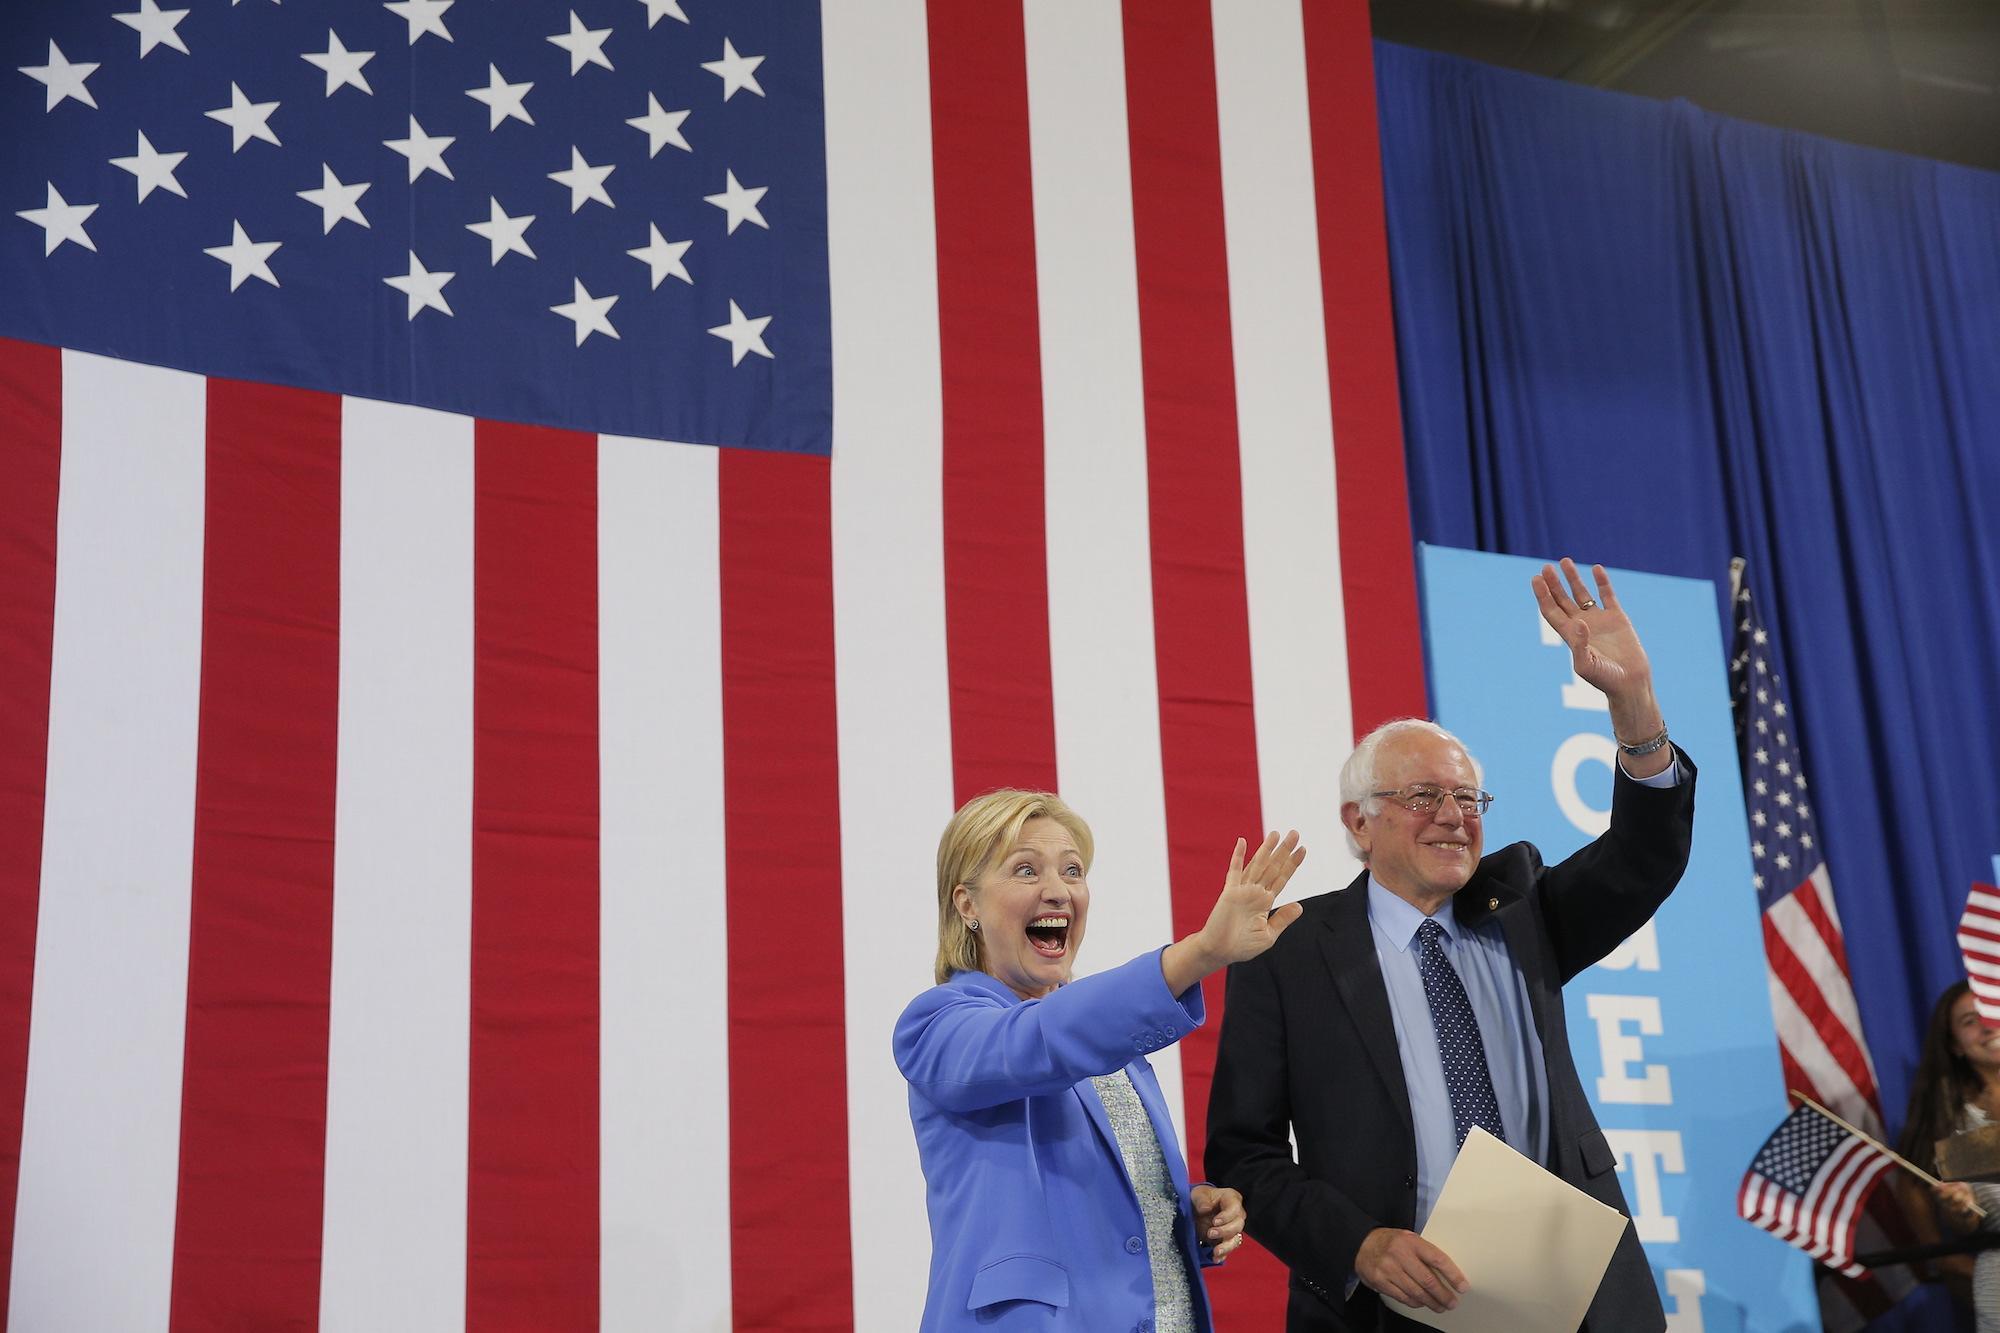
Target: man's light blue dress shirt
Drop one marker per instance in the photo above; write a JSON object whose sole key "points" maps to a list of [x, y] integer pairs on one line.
{"points": [[1499, 996], [1499, 999]]}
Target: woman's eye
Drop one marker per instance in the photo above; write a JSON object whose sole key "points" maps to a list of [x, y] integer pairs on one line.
{"points": [[1024, 870]]}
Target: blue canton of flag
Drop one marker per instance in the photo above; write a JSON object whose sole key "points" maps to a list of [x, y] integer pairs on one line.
{"points": [[1784, 842], [1808, 1185], [608, 215]]}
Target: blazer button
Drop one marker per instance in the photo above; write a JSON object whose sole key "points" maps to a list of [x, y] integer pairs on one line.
{"points": [[1133, 1245]]}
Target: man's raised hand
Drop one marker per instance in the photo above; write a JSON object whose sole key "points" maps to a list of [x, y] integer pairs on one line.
{"points": [[1604, 648], [1605, 651]]}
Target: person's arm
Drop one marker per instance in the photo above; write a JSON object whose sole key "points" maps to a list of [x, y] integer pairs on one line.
{"points": [[1218, 1221], [1606, 652], [1921, 1207], [1242, 924], [1313, 1228], [1611, 887], [965, 1050]]}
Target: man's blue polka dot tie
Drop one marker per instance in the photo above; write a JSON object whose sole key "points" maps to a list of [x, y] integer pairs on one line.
{"points": [[1466, 1076]]}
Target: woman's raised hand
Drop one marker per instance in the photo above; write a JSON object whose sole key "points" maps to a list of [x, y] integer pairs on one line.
{"points": [[1243, 923]]}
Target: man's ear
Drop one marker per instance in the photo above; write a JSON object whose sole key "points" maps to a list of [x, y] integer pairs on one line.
{"points": [[1358, 825]]}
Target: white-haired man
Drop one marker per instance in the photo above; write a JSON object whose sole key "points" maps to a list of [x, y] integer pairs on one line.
{"points": [[1427, 998]]}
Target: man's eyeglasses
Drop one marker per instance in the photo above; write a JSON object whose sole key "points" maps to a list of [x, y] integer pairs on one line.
{"points": [[1424, 798]]}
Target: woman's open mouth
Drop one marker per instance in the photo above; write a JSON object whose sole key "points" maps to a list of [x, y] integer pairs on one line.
{"points": [[1049, 934]]}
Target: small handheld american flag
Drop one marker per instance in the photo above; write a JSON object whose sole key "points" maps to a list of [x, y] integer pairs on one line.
{"points": [[1809, 1183], [1979, 942]]}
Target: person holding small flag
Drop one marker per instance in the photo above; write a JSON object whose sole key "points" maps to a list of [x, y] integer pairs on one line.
{"points": [[1957, 1088]]}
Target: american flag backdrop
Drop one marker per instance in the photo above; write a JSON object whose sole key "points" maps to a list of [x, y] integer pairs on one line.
{"points": [[521, 524], [1821, 1046]]}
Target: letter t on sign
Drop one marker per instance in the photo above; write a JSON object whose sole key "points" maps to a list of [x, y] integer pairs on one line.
{"points": [[1651, 1151]]}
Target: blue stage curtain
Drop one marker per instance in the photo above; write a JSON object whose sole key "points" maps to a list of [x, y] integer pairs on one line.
{"points": [[1643, 334]]}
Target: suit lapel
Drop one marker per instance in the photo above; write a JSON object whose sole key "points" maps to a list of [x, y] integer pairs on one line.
{"points": [[1347, 943], [1488, 895]]}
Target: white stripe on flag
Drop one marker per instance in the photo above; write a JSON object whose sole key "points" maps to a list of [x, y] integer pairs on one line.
{"points": [[891, 680], [100, 1140], [1788, 1212], [393, 1252], [1766, 1212], [663, 1038], [1104, 682], [1291, 535], [1802, 1041], [1988, 903], [1827, 970], [1789, 919], [1857, 1190], [1828, 1190]]}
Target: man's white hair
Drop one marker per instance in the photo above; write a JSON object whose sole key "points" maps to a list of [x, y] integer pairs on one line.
{"points": [[1357, 775]]}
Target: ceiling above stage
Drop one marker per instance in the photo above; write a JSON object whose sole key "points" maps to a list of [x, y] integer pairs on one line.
{"points": [[1916, 76]]}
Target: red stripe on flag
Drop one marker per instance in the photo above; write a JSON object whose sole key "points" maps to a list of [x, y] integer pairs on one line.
{"points": [[1385, 660], [790, 1253], [31, 405], [1808, 898], [1201, 620], [532, 1194], [260, 939], [1977, 928], [989, 350], [1805, 993], [1795, 1074]]}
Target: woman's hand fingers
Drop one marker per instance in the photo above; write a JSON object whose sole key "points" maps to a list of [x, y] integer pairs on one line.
{"points": [[1260, 864], [1241, 925], [1275, 862], [1290, 856], [1284, 916], [1218, 1212]]}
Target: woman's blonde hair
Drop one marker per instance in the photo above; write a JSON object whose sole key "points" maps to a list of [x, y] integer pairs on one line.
{"points": [[984, 828]]}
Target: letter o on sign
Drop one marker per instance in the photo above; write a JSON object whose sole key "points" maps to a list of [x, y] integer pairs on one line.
{"points": [[1580, 749]]}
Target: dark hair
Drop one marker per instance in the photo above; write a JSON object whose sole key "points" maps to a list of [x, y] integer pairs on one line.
{"points": [[1945, 1082]]}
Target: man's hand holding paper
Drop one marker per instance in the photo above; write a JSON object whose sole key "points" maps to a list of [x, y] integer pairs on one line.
{"points": [[1532, 1247]]}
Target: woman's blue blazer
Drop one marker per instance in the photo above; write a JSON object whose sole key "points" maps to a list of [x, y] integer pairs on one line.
{"points": [[1034, 1222]]}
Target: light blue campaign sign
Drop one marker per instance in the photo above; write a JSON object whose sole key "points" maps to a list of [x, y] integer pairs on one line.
{"points": [[1672, 1033]]}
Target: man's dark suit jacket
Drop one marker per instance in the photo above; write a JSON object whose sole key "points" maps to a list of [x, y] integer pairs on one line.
{"points": [[1308, 1047]]}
